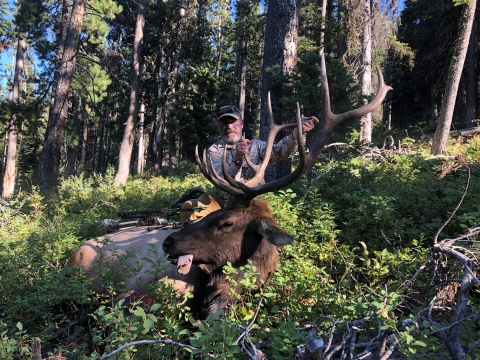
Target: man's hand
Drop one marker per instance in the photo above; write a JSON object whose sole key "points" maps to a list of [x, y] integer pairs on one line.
{"points": [[241, 149], [308, 123]]}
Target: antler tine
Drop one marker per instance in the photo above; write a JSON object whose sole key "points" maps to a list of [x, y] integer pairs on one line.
{"points": [[331, 120], [274, 130], [209, 172], [225, 185], [290, 178], [226, 174]]}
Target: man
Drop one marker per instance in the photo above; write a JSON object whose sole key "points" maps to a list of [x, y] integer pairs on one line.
{"points": [[230, 127]]}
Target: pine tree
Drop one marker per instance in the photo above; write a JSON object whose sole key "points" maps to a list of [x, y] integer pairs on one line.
{"points": [[439, 143]]}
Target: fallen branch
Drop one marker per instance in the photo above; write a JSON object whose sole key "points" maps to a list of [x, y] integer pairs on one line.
{"points": [[146, 342]]}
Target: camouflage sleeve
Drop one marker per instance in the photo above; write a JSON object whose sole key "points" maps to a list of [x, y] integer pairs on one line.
{"points": [[282, 150], [215, 153]]}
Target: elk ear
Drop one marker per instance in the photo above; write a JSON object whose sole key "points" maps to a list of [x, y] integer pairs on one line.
{"points": [[270, 230]]}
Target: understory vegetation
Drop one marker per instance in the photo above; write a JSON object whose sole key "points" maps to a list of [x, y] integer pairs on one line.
{"points": [[368, 273]]}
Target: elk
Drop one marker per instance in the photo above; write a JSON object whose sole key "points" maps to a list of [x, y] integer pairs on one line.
{"points": [[244, 230]]}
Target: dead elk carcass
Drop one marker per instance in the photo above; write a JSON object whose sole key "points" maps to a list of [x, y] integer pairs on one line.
{"points": [[130, 259], [245, 230]]}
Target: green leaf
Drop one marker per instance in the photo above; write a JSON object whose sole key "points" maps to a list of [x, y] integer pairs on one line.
{"points": [[155, 307], [148, 324], [139, 312]]}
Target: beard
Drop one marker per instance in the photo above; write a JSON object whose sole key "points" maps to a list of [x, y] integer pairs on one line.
{"points": [[232, 138]]}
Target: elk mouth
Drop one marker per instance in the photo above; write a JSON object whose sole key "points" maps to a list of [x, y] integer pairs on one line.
{"points": [[183, 263]]}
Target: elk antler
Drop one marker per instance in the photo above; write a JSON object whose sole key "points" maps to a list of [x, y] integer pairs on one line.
{"points": [[252, 188]]}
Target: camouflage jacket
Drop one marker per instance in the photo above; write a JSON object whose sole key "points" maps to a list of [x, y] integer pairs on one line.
{"points": [[282, 150]]}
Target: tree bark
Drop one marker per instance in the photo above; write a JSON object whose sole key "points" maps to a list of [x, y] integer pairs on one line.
{"points": [[439, 144], [234, 78], [49, 164], [366, 81], [280, 49], [471, 80], [141, 151], [172, 105], [243, 77], [11, 159], [172, 154], [102, 144], [94, 151], [158, 144], [219, 53], [434, 105], [128, 136], [83, 146]]}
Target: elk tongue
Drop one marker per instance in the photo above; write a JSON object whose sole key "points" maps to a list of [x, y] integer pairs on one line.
{"points": [[184, 263]]}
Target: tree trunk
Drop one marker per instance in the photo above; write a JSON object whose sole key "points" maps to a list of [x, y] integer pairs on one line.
{"points": [[61, 36], [73, 144], [102, 142], [243, 77], [171, 125], [234, 78], [471, 80], [94, 151], [218, 66], [10, 163], [152, 151], [158, 144], [128, 136], [366, 81], [49, 164], [434, 106], [141, 151], [172, 154], [439, 144], [83, 146], [280, 48]]}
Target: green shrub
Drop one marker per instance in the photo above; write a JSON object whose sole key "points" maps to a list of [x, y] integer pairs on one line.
{"points": [[362, 228]]}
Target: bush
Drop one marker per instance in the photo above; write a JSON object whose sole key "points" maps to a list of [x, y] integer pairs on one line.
{"points": [[362, 230]]}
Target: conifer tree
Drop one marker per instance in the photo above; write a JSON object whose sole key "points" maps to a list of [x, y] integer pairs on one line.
{"points": [[439, 143], [280, 49], [128, 136], [49, 165]]}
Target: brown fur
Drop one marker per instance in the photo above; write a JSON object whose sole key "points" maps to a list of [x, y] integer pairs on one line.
{"points": [[235, 236]]}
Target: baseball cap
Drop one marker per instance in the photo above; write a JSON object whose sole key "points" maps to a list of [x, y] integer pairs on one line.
{"points": [[228, 111]]}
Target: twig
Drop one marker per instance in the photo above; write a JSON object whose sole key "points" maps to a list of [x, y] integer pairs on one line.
{"points": [[474, 316], [464, 163], [249, 327], [143, 342]]}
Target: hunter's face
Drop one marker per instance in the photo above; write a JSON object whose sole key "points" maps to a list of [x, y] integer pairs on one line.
{"points": [[230, 129]]}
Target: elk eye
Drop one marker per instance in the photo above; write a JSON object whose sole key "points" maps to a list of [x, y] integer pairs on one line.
{"points": [[227, 224]]}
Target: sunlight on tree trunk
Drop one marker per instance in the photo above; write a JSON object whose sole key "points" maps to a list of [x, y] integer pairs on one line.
{"points": [[366, 81], [140, 154], [439, 144], [128, 136], [10, 166], [470, 79]]}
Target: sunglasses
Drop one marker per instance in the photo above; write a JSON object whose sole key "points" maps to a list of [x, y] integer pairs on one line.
{"points": [[227, 110]]}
